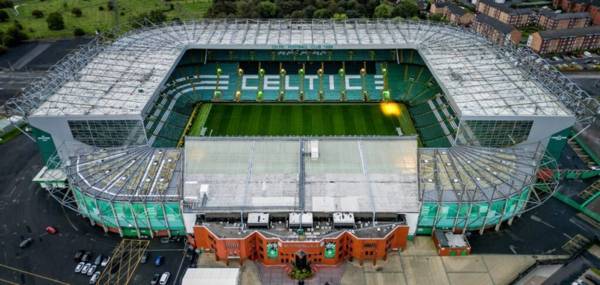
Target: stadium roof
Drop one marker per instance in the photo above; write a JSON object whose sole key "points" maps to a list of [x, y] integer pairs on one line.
{"points": [[280, 174], [120, 78], [125, 174]]}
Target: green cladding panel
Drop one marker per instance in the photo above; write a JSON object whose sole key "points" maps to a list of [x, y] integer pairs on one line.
{"points": [[45, 144], [471, 216], [132, 218], [557, 143]]}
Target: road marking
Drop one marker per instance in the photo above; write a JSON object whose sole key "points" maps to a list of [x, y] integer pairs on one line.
{"points": [[33, 274], [8, 282]]}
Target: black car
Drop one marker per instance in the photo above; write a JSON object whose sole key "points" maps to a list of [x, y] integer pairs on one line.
{"points": [[155, 278], [87, 256], [78, 255]]}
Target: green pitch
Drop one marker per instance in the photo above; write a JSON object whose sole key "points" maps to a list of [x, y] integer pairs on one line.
{"points": [[299, 120]]}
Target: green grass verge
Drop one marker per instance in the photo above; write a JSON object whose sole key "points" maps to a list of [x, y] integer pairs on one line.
{"points": [[8, 136], [304, 120], [200, 119], [93, 18]]}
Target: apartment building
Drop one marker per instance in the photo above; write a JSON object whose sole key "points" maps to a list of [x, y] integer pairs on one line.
{"points": [[567, 40], [520, 17], [496, 31], [549, 20], [453, 13], [590, 6]]}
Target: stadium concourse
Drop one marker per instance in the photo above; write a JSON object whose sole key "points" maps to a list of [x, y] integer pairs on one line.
{"points": [[271, 139]]}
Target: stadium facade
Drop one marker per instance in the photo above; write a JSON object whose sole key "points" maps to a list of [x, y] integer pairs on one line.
{"points": [[112, 118]]}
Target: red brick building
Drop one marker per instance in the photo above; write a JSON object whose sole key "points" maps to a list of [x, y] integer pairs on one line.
{"points": [[504, 13], [558, 41], [549, 20], [590, 6], [496, 31], [367, 245], [452, 12]]}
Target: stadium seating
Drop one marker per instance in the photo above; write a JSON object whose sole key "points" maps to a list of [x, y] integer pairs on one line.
{"points": [[408, 79]]}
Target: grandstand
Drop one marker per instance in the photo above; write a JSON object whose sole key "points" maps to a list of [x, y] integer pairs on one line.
{"points": [[245, 132]]}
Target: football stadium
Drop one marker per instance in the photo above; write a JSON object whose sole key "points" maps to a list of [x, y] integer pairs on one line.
{"points": [[258, 139]]}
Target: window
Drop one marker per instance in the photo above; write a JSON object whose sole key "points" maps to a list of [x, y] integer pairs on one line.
{"points": [[108, 133], [494, 133]]}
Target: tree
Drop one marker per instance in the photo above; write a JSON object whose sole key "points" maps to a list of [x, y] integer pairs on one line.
{"points": [[78, 32], [13, 36], [76, 12], [267, 9], [6, 4], [322, 13], [407, 9], [384, 10], [154, 16], [55, 21], [340, 16], [37, 14], [437, 18], [3, 16]]}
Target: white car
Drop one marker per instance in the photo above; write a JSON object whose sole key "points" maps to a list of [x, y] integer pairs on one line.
{"points": [[86, 268], [91, 270], [164, 278], [95, 277], [79, 267], [105, 261]]}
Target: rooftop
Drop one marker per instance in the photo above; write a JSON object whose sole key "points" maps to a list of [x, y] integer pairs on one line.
{"points": [[494, 23], [134, 173], [569, 33], [551, 14], [121, 77], [276, 174]]}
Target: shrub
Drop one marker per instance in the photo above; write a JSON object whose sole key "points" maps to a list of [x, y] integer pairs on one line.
{"points": [[3, 16], [55, 21], [78, 32], [37, 14], [101, 8], [76, 12], [13, 36], [110, 5], [3, 49]]}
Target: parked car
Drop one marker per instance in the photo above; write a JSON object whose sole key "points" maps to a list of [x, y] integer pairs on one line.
{"points": [[105, 261], [51, 230], [155, 278], [78, 255], [164, 278], [87, 256], [79, 267], [95, 277], [86, 268], [26, 242], [92, 270], [145, 257], [98, 260], [159, 260]]}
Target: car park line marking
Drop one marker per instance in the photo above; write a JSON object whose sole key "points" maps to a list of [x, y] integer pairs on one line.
{"points": [[33, 274]]}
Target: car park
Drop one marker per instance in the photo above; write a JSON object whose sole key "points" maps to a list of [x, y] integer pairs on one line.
{"points": [[26, 242], [51, 230], [155, 278], [164, 278], [95, 277], [98, 260], [79, 267], [145, 257], [91, 270], [86, 268], [159, 260], [105, 261], [86, 256], [78, 255]]}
